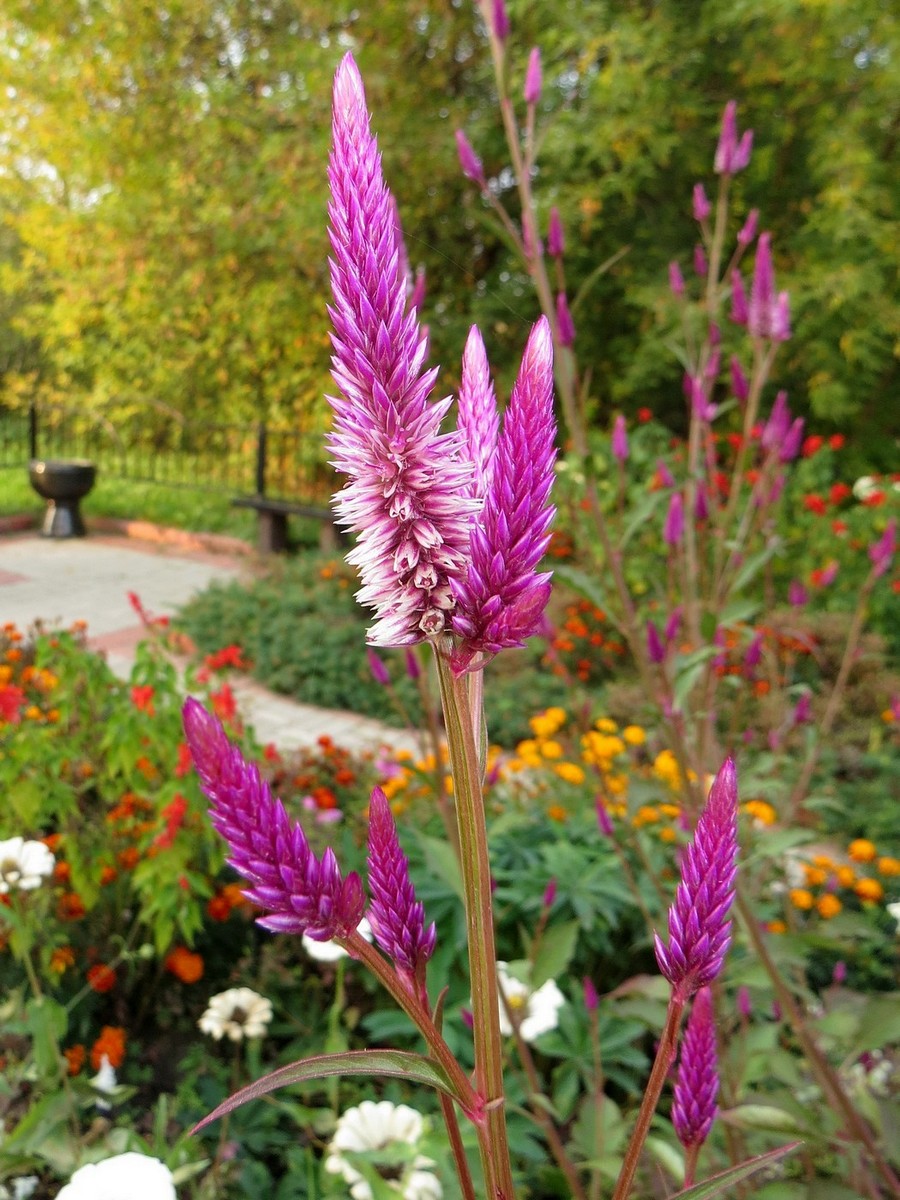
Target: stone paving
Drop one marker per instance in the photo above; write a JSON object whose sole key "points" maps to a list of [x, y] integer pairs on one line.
{"points": [[89, 579]]}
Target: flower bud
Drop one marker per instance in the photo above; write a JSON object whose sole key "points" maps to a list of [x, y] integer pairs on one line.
{"points": [[701, 205], [469, 161], [564, 320], [556, 241], [620, 440], [676, 280], [533, 78]]}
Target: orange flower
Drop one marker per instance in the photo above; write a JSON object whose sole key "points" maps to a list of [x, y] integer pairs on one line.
{"points": [[829, 906], [889, 866], [184, 965], [111, 1043], [146, 767], [108, 875], [74, 1056], [62, 872], [862, 850], [776, 927], [142, 699], [101, 978], [556, 812], [218, 908], [869, 889], [62, 958], [801, 898], [70, 907]]}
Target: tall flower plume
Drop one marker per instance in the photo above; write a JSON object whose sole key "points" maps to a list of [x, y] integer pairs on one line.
{"points": [[396, 917], [501, 598], [301, 893], [405, 494], [699, 922], [697, 1084], [478, 421]]}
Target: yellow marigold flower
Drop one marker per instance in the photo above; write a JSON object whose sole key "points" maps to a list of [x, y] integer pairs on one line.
{"points": [[869, 889], [668, 834], [761, 811], [815, 876], [665, 767], [33, 713], [617, 784], [889, 866], [557, 714], [634, 735], [823, 860], [5, 674], [801, 898], [829, 906], [671, 810], [862, 850], [542, 727], [448, 784], [777, 927], [605, 725], [403, 755], [645, 815], [570, 772], [556, 812], [550, 750], [845, 876], [527, 748]]}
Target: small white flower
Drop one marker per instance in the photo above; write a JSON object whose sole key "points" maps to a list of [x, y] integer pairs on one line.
{"points": [[23, 1188], [125, 1177], [381, 1126], [894, 911], [865, 486], [329, 952], [24, 865], [104, 1082], [537, 1010], [237, 1014]]}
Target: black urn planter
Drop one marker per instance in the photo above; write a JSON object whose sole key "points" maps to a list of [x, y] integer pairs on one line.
{"points": [[62, 482]]}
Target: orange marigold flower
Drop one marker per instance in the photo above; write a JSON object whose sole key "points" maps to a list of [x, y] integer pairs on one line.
{"points": [[61, 959], [218, 908], [845, 876], [62, 872], [776, 927], [889, 866], [111, 1043], [862, 850], [814, 876], [801, 898], [869, 889], [74, 1056], [829, 906], [70, 907], [146, 767], [556, 812], [129, 857], [184, 965], [101, 978], [108, 875]]}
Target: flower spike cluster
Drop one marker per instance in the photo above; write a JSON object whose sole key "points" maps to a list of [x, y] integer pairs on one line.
{"points": [[697, 1085], [300, 892], [407, 480], [396, 917], [451, 526], [699, 922]]}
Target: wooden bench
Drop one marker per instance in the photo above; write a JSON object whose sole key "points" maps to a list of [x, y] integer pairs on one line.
{"points": [[272, 527]]}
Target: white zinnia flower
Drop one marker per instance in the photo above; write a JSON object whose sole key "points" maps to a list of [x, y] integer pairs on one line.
{"points": [[125, 1177], [24, 865], [104, 1082], [328, 952], [894, 911], [238, 1013], [373, 1126], [537, 1010], [865, 486]]}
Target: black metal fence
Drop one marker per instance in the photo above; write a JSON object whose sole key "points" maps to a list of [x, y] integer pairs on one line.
{"points": [[167, 449]]}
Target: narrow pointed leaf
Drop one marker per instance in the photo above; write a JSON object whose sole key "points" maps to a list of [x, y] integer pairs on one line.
{"points": [[399, 1064], [720, 1184]]}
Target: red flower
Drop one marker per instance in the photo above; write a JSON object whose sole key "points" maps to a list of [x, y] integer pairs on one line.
{"points": [[142, 699], [185, 762], [823, 576], [11, 701], [874, 499], [229, 656], [110, 1044], [70, 907], [224, 703], [836, 441], [839, 492], [814, 504], [184, 965], [735, 440], [839, 527], [101, 978], [644, 415], [812, 445], [173, 815]]}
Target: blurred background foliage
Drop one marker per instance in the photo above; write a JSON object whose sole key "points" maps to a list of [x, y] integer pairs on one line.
{"points": [[163, 191]]}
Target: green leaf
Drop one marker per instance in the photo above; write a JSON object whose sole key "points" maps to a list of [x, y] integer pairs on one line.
{"points": [[585, 585], [555, 952], [762, 1116], [880, 1025], [396, 1064], [688, 670], [48, 1022], [720, 1183], [442, 860], [754, 565]]}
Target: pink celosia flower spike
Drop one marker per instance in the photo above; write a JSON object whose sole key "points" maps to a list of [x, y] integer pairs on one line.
{"points": [[300, 892], [697, 1085], [502, 598], [396, 917], [699, 923], [732, 154], [407, 482], [478, 420]]}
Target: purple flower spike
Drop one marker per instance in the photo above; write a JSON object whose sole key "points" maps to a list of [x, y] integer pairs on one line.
{"points": [[700, 203], [500, 20], [396, 917], [500, 602], [603, 818], [747, 232], [739, 308], [556, 240], [793, 440], [701, 263], [533, 77], [406, 490], [564, 320], [778, 425], [301, 893], [881, 553], [744, 1003], [697, 1085], [413, 670], [656, 651], [740, 385], [797, 595], [676, 280], [732, 155], [768, 314], [478, 420], [674, 523], [379, 671], [699, 924], [591, 999], [620, 440], [471, 164]]}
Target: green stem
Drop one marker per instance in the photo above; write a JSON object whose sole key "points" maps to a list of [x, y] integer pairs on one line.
{"points": [[665, 1056], [476, 873]]}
